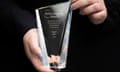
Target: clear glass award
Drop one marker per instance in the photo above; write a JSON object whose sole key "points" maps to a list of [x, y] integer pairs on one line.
{"points": [[54, 22]]}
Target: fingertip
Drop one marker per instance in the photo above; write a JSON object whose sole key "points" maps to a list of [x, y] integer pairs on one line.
{"points": [[99, 17]]}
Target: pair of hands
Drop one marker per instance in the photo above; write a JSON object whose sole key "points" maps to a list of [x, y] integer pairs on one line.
{"points": [[94, 9]]}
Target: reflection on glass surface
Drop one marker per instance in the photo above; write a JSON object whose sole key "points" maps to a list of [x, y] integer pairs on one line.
{"points": [[53, 24]]}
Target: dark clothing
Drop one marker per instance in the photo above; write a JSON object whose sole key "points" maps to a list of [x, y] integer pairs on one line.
{"points": [[92, 47]]}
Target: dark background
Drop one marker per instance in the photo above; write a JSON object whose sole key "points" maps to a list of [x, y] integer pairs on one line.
{"points": [[90, 49]]}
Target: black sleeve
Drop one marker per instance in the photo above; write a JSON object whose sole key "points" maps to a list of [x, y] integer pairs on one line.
{"points": [[113, 19], [23, 18]]}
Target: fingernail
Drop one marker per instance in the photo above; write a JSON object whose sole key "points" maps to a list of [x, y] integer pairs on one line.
{"points": [[72, 7]]}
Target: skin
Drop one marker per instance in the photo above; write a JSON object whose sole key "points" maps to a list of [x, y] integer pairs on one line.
{"points": [[94, 9], [32, 49]]}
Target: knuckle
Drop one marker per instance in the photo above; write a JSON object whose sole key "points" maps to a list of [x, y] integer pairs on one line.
{"points": [[100, 17], [98, 7], [90, 1], [103, 14]]}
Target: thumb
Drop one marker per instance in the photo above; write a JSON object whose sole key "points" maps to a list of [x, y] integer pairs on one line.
{"points": [[33, 51]]}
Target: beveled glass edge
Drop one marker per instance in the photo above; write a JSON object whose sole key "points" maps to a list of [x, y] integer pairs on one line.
{"points": [[65, 47], [42, 41]]}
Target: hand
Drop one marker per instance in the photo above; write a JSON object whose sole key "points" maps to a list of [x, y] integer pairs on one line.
{"points": [[32, 50], [95, 9]]}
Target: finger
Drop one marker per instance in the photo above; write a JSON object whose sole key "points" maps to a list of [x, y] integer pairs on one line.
{"points": [[53, 58], [96, 7], [73, 1], [50, 60], [37, 62], [57, 59], [81, 4], [31, 40], [33, 51], [99, 17], [36, 58], [33, 43]]}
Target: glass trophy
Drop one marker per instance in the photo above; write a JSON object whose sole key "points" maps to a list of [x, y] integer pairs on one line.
{"points": [[53, 23]]}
